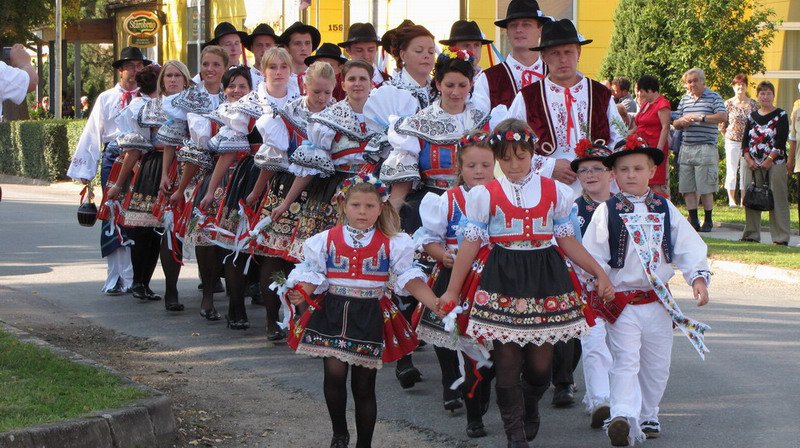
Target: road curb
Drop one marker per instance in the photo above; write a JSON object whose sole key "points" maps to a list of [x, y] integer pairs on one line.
{"points": [[756, 271], [145, 422], [20, 180]]}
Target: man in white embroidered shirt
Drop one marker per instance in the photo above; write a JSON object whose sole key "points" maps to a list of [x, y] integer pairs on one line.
{"points": [[566, 106], [99, 133], [18, 75]]}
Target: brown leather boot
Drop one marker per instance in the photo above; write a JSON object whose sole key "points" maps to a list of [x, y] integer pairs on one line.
{"points": [[512, 411]]}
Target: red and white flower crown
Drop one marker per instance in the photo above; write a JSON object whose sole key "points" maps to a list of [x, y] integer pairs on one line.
{"points": [[360, 178]]}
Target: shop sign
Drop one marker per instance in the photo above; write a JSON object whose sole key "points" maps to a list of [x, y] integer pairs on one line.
{"points": [[142, 28]]}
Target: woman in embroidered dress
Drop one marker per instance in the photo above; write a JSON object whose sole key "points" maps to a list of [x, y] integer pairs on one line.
{"points": [[423, 158], [144, 154], [337, 138], [527, 298], [354, 325], [439, 236], [196, 161], [413, 48], [283, 130]]}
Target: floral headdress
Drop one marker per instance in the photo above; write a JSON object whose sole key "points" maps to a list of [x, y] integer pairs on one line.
{"points": [[453, 52], [633, 142], [473, 139], [585, 148], [360, 178], [523, 135]]}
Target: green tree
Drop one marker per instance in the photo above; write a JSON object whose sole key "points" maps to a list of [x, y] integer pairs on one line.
{"points": [[664, 38]]}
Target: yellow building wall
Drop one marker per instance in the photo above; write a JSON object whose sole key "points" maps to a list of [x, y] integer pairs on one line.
{"points": [[781, 55], [596, 22], [173, 44]]}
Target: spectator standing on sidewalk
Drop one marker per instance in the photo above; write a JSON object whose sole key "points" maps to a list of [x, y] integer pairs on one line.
{"points": [[764, 148], [739, 107], [699, 113]]}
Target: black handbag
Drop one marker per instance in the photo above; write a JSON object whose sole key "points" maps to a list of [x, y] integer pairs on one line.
{"points": [[759, 197]]}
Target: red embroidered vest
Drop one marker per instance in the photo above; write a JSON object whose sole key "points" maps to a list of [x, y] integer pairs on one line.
{"points": [[367, 263], [539, 119], [508, 223], [456, 207], [502, 88]]}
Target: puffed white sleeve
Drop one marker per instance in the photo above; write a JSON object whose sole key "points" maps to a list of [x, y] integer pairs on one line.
{"points": [[313, 267], [477, 214], [174, 130], [689, 251], [562, 224], [313, 156], [272, 155], [195, 149], [131, 136], [480, 92], [595, 241], [401, 263], [402, 165], [433, 214], [232, 136]]}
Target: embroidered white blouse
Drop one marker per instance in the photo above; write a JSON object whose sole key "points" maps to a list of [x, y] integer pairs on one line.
{"points": [[315, 254], [132, 133], [100, 129], [433, 210], [524, 194], [689, 252]]}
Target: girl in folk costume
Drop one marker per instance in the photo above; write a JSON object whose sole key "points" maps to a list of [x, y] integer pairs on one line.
{"points": [[354, 323], [143, 155], [198, 163], [442, 216], [423, 159], [228, 181], [413, 48], [337, 139], [527, 297], [283, 130]]}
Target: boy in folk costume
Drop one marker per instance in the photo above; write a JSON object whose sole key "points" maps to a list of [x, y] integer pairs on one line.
{"points": [[636, 236], [467, 35], [300, 40], [566, 106], [259, 42], [362, 43]]}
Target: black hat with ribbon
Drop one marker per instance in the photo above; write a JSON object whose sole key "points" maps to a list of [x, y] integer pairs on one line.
{"points": [[360, 32], [522, 9], [560, 32], [302, 28], [633, 145], [465, 30], [585, 151], [223, 29], [130, 54], [261, 30], [326, 50]]}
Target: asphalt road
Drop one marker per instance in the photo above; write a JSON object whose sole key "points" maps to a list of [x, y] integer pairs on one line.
{"points": [[745, 394]]}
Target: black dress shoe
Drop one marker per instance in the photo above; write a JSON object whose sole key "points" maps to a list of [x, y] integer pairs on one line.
{"points": [[210, 314], [452, 400], [706, 227], [139, 292], [340, 441], [276, 335], [115, 291], [150, 295], [408, 377], [563, 396], [475, 430]]}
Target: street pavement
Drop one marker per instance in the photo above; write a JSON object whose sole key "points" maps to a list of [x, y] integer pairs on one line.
{"points": [[744, 395]]}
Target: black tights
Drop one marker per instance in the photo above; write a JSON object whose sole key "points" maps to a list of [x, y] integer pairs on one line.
{"points": [[533, 362], [448, 362], [172, 268], [267, 267], [362, 384], [144, 253], [235, 282], [208, 263]]}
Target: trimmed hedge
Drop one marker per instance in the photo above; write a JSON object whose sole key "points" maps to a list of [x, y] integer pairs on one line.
{"points": [[40, 149]]}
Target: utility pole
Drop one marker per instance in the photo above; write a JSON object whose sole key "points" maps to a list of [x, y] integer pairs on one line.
{"points": [[56, 59]]}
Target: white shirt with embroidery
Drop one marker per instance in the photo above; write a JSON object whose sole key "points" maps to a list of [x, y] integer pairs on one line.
{"points": [[14, 86], [688, 250], [100, 128], [313, 268]]}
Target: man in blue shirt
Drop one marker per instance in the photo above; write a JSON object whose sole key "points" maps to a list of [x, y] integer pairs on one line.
{"points": [[699, 113]]}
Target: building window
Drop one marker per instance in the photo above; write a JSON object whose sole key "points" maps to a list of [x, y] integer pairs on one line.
{"points": [[196, 32]]}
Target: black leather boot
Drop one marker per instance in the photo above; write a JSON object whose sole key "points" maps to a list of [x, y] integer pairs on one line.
{"points": [[512, 411]]}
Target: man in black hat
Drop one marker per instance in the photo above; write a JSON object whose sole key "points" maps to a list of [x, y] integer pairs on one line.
{"points": [[300, 40], [467, 35], [499, 84], [566, 106], [262, 39], [331, 54], [362, 43], [230, 39], [98, 132]]}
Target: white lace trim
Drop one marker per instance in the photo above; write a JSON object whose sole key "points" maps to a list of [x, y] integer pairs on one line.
{"points": [[348, 357], [472, 232], [436, 337], [302, 171], [564, 230], [536, 336]]}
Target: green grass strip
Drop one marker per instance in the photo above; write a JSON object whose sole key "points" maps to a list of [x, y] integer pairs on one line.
{"points": [[37, 386], [735, 215], [754, 253]]}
